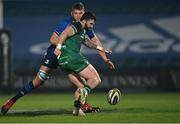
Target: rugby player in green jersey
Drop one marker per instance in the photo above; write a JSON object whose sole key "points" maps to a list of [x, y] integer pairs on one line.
{"points": [[71, 61]]}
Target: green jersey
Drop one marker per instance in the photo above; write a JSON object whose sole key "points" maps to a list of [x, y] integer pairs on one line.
{"points": [[71, 60]]}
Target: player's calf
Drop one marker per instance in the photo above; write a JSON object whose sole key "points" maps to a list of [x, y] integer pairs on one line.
{"points": [[83, 95]]}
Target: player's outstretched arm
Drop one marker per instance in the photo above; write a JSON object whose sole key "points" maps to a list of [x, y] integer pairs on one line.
{"points": [[102, 51], [96, 40], [92, 45]]}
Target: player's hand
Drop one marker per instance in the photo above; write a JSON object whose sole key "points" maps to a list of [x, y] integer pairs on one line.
{"points": [[57, 52], [106, 50], [111, 65]]}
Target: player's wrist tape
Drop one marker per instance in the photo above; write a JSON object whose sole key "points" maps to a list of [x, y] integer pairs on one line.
{"points": [[59, 46], [99, 48]]}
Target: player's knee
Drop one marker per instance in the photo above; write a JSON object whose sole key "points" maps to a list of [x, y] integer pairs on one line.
{"points": [[43, 75], [97, 80]]}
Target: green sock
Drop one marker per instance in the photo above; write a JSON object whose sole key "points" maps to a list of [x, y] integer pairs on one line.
{"points": [[87, 88]]}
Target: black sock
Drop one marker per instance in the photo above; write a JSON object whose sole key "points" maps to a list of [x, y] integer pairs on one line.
{"points": [[77, 104], [26, 89]]}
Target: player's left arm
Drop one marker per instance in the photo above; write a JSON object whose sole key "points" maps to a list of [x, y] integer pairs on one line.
{"points": [[96, 41], [89, 43]]}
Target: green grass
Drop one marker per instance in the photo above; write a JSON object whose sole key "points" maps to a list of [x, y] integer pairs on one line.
{"points": [[133, 107]]}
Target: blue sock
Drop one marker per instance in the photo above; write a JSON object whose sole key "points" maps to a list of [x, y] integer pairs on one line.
{"points": [[26, 89]]}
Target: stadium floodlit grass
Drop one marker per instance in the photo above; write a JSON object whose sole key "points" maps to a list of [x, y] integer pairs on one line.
{"points": [[134, 107]]}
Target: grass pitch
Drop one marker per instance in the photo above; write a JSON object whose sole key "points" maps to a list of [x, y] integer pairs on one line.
{"points": [[57, 108]]}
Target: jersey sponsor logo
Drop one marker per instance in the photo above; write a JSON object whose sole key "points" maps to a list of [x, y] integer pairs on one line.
{"points": [[63, 63], [82, 36], [63, 46]]}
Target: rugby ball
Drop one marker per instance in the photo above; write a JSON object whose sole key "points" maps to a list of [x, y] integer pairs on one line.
{"points": [[114, 96]]}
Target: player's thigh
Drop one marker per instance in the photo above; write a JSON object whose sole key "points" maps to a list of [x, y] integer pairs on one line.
{"points": [[46, 69], [89, 73], [76, 80]]}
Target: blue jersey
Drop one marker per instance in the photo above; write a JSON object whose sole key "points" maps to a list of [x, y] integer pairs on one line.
{"points": [[62, 25]]}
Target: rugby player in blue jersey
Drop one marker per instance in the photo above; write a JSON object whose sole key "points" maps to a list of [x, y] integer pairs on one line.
{"points": [[50, 62]]}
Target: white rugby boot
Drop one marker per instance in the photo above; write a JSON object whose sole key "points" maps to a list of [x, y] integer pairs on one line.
{"points": [[78, 112]]}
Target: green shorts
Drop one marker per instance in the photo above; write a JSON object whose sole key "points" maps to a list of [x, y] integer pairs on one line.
{"points": [[73, 63]]}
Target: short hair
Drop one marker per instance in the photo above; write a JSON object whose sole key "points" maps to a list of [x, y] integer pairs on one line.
{"points": [[88, 16], [78, 6]]}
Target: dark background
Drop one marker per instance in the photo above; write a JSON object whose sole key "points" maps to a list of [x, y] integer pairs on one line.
{"points": [[143, 35]]}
